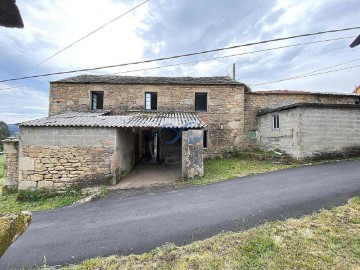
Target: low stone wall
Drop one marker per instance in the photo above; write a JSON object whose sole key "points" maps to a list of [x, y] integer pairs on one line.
{"points": [[62, 167], [61, 157]]}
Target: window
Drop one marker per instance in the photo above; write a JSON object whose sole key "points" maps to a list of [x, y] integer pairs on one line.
{"points": [[151, 101], [205, 139], [201, 102], [97, 100], [357, 100], [275, 121]]}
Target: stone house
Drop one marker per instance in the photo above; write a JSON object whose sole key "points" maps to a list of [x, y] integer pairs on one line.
{"points": [[100, 127]]}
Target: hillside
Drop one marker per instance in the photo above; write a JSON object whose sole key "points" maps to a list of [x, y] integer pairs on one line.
{"points": [[13, 129]]}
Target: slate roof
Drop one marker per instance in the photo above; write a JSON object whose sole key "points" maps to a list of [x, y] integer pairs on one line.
{"points": [[115, 79], [310, 105], [100, 119]]}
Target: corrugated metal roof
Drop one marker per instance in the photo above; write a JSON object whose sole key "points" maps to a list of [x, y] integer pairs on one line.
{"points": [[145, 120], [116, 79]]}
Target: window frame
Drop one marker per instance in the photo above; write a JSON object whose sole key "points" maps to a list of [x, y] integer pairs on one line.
{"points": [[207, 104], [96, 93], [151, 101], [275, 120]]}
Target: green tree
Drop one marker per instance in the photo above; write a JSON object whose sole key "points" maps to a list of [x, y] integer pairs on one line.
{"points": [[4, 133]]}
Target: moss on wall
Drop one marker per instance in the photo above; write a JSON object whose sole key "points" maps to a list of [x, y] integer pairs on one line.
{"points": [[11, 227]]}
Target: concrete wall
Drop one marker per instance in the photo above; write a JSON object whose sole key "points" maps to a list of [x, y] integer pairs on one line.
{"points": [[192, 153], [125, 150], [256, 101], [286, 138], [59, 157], [225, 106], [312, 132], [329, 130]]}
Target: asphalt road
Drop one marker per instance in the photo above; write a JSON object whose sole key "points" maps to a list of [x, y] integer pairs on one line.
{"points": [[135, 222]]}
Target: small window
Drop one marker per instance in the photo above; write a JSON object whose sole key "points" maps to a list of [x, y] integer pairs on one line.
{"points": [[151, 101], [205, 139], [201, 102], [275, 121], [97, 100], [357, 100]]}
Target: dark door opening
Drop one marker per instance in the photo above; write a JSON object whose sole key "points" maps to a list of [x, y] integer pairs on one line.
{"points": [[150, 147]]}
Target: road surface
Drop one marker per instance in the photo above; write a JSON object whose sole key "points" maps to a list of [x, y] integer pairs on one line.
{"points": [[138, 221]]}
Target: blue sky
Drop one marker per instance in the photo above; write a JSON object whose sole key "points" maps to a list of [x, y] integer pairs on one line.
{"points": [[164, 28]]}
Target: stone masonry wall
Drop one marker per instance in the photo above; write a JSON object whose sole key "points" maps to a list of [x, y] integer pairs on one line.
{"points": [[192, 149], [61, 157], [10, 178], [225, 106], [257, 101]]}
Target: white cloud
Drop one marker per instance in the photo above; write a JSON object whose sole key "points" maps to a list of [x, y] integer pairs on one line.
{"points": [[165, 28]]}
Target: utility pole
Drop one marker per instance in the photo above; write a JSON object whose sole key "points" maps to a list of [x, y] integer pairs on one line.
{"points": [[234, 69]]}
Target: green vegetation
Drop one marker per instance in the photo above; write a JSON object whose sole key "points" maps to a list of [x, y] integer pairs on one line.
{"points": [[12, 226], [4, 133], [35, 200], [247, 163], [329, 239]]}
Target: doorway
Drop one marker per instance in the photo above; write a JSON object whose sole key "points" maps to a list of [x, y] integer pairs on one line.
{"points": [[149, 147]]}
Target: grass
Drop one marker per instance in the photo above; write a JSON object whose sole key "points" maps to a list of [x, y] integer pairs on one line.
{"points": [[35, 200], [11, 204], [329, 239], [220, 169]]}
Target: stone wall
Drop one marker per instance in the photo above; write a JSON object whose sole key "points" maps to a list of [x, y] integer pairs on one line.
{"points": [[256, 101], [192, 149], [225, 115], [10, 178], [60, 157], [312, 132], [170, 153]]}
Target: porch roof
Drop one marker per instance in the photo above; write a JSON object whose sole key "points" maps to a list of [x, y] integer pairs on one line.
{"points": [[100, 119]]}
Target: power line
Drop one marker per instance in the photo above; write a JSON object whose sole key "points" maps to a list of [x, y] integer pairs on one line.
{"points": [[208, 59], [313, 42], [312, 73], [182, 55], [84, 37], [233, 55]]}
